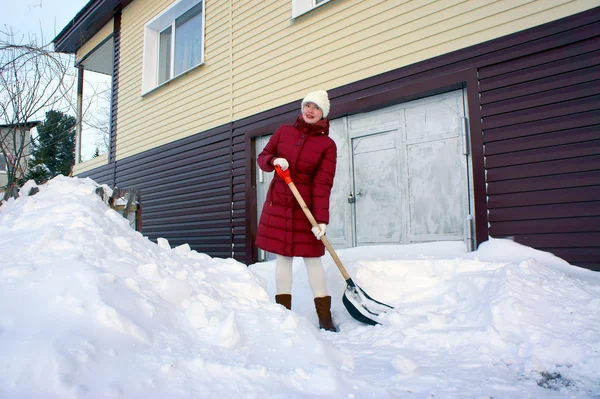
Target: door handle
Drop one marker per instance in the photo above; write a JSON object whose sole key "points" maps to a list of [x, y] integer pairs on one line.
{"points": [[351, 199]]}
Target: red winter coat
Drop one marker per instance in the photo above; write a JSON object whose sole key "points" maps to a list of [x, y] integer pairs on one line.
{"points": [[283, 228]]}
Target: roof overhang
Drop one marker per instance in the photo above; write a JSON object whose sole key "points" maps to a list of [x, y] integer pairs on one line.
{"points": [[92, 17], [101, 59], [26, 125]]}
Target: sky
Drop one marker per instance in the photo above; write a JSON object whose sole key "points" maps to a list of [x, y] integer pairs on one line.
{"points": [[90, 308], [32, 16], [47, 18]]}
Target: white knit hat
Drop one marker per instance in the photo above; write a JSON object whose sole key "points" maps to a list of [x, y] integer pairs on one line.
{"points": [[318, 97]]}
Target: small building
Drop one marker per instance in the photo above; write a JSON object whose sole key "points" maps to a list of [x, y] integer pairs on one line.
{"points": [[15, 140], [454, 120]]}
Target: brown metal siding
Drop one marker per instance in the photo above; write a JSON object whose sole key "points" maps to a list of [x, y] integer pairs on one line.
{"points": [[541, 129], [115, 87], [102, 175], [533, 116], [240, 208], [187, 195]]}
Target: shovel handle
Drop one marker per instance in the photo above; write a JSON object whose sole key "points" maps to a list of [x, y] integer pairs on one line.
{"points": [[285, 175]]}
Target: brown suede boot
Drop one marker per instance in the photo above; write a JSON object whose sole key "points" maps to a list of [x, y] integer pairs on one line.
{"points": [[323, 306], [285, 300]]}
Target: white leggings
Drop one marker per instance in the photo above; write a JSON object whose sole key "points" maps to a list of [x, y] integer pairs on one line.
{"points": [[314, 269]]}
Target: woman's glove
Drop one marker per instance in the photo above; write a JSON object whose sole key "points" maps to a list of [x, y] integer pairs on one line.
{"points": [[319, 231], [282, 162]]}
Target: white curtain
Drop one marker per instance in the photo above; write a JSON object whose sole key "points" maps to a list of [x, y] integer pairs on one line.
{"points": [[188, 39]]}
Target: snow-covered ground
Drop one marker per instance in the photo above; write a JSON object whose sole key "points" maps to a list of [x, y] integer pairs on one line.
{"points": [[89, 308]]}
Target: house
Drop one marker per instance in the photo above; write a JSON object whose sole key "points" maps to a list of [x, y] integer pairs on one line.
{"points": [[14, 139], [454, 120]]}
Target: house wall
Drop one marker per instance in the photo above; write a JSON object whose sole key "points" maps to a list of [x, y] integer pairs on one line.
{"points": [[3, 176], [188, 191], [533, 109], [104, 174], [347, 41], [99, 161], [10, 144], [258, 59], [541, 125], [195, 102], [114, 96], [3, 167]]}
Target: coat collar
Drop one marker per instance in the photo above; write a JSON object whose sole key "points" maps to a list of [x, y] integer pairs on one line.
{"points": [[321, 127]]}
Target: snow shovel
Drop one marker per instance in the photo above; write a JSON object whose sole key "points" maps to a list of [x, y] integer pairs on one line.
{"points": [[357, 302]]}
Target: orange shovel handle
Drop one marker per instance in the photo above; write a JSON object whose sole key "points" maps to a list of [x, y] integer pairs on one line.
{"points": [[284, 174]]}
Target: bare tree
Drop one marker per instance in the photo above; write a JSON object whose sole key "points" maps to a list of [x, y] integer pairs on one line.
{"points": [[33, 79]]}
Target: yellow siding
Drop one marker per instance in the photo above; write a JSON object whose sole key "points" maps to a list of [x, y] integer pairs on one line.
{"points": [[257, 58], [347, 41], [196, 101], [105, 32], [91, 164]]}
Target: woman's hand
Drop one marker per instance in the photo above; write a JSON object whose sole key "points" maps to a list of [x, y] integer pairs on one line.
{"points": [[319, 231], [282, 162]]}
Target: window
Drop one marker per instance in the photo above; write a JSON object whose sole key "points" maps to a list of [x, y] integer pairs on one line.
{"points": [[173, 43], [164, 55], [2, 163], [300, 7], [188, 40]]}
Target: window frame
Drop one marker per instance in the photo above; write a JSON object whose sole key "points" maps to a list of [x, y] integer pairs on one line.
{"points": [[152, 34], [3, 164], [171, 56], [301, 7]]}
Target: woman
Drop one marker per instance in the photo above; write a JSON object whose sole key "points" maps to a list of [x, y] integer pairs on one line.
{"points": [[310, 154]]}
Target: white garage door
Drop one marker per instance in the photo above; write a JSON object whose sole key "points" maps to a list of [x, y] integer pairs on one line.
{"points": [[402, 174]]}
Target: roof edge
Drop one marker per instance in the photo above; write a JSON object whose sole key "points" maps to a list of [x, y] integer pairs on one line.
{"points": [[86, 23], [31, 124]]}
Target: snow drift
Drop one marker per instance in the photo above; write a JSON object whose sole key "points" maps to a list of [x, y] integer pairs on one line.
{"points": [[91, 308]]}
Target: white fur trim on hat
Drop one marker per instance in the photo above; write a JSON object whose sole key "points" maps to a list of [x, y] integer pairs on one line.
{"points": [[318, 97]]}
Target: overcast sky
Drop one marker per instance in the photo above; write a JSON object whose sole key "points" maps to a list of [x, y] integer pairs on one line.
{"points": [[32, 16]]}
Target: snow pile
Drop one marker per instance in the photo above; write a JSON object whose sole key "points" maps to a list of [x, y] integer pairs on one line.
{"points": [[528, 317], [91, 308], [464, 327]]}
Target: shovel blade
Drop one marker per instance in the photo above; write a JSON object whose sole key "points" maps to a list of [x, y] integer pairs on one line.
{"points": [[362, 307]]}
